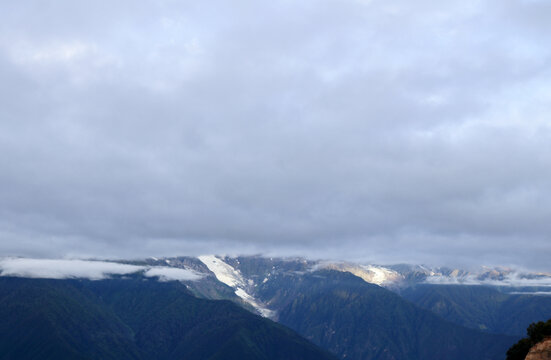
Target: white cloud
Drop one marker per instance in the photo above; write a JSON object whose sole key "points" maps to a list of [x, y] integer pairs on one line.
{"points": [[170, 273], [540, 293], [63, 269], [87, 269], [512, 279]]}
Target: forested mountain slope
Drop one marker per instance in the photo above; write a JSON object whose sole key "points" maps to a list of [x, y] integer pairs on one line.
{"points": [[134, 319]]}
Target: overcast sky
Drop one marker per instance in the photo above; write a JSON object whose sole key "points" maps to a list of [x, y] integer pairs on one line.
{"points": [[376, 130]]}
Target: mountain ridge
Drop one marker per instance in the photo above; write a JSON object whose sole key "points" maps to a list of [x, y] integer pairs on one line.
{"points": [[276, 287]]}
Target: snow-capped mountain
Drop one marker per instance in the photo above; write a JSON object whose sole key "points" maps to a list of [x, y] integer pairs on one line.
{"points": [[253, 280], [492, 276], [349, 309]]}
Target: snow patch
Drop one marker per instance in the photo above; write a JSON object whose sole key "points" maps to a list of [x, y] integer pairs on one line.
{"points": [[251, 300], [369, 273], [380, 275], [226, 274], [223, 272]]}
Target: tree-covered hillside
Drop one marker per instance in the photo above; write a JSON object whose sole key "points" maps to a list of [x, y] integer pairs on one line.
{"points": [[357, 320], [134, 319], [481, 307]]}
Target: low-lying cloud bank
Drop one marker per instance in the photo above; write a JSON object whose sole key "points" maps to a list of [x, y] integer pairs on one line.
{"points": [[513, 280], [87, 269], [167, 274], [538, 293]]}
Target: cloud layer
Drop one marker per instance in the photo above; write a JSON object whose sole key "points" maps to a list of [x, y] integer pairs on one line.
{"points": [[168, 273], [512, 280], [86, 269], [382, 131], [63, 269]]}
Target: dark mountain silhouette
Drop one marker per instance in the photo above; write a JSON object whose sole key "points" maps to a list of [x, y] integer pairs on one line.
{"points": [[481, 307], [134, 319], [357, 320]]}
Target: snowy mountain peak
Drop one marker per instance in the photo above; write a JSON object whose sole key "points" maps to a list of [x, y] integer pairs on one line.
{"points": [[223, 272]]}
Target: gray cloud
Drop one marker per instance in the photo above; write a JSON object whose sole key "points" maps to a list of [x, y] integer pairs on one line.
{"points": [[368, 130]]}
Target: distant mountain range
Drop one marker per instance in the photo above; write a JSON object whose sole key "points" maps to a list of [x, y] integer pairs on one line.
{"points": [[355, 311]]}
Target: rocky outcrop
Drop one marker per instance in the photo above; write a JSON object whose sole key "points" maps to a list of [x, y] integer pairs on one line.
{"points": [[540, 351]]}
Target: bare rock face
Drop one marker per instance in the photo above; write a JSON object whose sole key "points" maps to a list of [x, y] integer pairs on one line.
{"points": [[540, 351]]}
